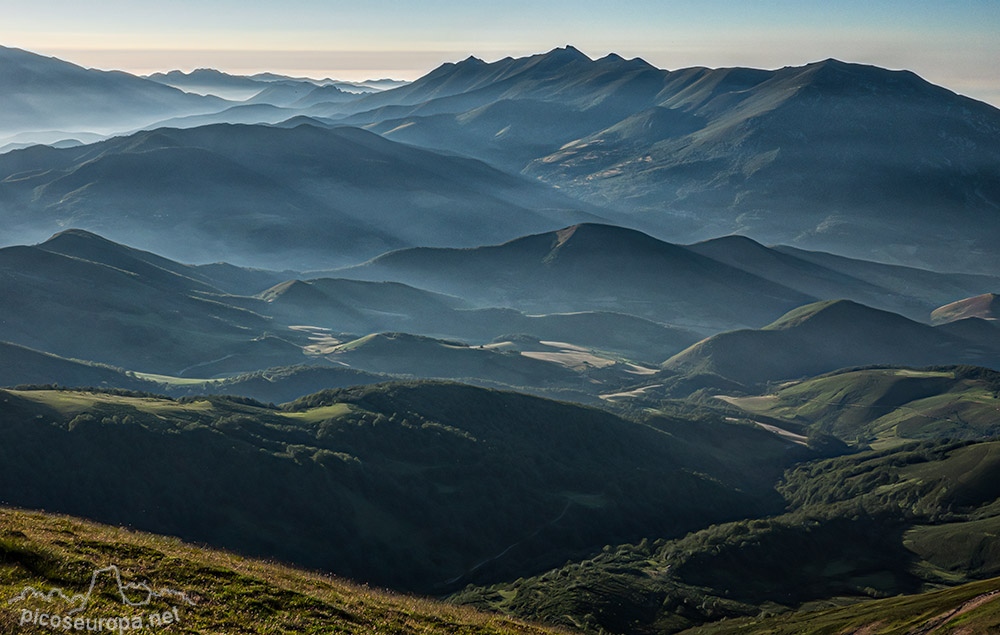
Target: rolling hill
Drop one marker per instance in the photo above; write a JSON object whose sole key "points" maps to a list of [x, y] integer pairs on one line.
{"points": [[26, 367], [421, 356], [157, 316], [703, 286], [273, 385], [104, 302], [630, 336], [356, 306], [823, 337], [523, 482], [302, 197], [884, 407], [591, 267], [186, 326], [359, 306], [288, 93], [84, 245], [910, 291], [859, 527]]}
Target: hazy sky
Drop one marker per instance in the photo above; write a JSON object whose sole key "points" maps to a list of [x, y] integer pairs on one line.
{"points": [[955, 43]]}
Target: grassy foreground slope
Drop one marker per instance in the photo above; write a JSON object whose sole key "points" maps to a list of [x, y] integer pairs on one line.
{"points": [[232, 594]]}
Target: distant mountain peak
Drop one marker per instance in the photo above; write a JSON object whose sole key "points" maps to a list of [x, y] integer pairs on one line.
{"points": [[80, 234], [833, 63], [836, 74], [568, 52], [834, 312], [594, 237], [733, 241], [618, 60], [598, 229]]}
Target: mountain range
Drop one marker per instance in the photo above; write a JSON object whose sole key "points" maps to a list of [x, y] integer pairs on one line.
{"points": [[830, 156], [581, 341], [809, 156], [727, 281], [208, 81], [44, 94], [825, 336], [300, 197], [174, 323], [589, 308]]}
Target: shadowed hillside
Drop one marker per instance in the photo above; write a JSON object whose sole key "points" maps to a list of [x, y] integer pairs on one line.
{"points": [[592, 267], [859, 527], [302, 197], [44, 93], [835, 156], [825, 336], [524, 482], [148, 317]]}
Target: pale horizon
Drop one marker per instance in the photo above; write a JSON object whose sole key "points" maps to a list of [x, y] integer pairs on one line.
{"points": [[144, 62], [954, 45]]}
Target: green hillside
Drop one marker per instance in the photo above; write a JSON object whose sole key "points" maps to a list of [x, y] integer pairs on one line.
{"points": [[524, 483], [275, 385], [882, 407], [870, 525], [230, 593]]}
